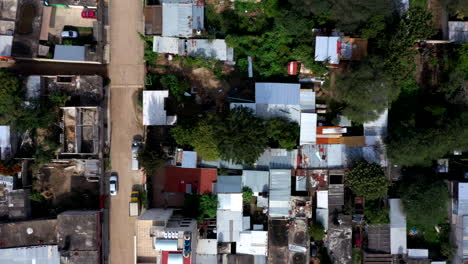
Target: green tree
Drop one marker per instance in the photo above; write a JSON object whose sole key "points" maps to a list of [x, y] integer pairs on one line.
{"points": [[367, 180], [177, 87], [425, 201], [36, 196], [284, 132], [11, 98], [208, 204], [422, 146], [376, 212], [366, 90], [247, 194], [316, 231], [242, 137], [202, 136], [151, 157]]}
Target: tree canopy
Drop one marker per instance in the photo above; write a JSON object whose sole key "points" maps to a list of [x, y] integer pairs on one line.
{"points": [[240, 137], [11, 98], [425, 200], [367, 180], [200, 206]]}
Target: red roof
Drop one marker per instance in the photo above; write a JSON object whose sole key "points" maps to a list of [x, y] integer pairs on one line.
{"points": [[201, 179], [165, 257]]}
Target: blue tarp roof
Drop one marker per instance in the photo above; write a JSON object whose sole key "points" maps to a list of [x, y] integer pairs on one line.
{"points": [[69, 53]]}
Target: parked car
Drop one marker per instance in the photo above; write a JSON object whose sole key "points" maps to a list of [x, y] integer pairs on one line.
{"points": [[113, 184], [135, 147], [88, 14], [313, 250], [69, 34]]}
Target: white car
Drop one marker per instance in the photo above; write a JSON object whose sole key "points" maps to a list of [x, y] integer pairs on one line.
{"points": [[135, 147], [69, 34], [113, 185]]}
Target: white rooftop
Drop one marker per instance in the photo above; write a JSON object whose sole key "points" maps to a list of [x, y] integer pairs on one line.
{"points": [[189, 159], [252, 243], [326, 49], [308, 130], [228, 225], [418, 253], [398, 244], [230, 201], [154, 113], [169, 45], [277, 93], [30, 255], [5, 46], [210, 48]]}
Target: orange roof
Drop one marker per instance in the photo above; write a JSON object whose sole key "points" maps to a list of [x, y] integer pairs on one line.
{"points": [[201, 180], [327, 140]]}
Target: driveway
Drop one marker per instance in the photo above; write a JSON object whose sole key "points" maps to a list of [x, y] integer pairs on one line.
{"points": [[126, 71]]}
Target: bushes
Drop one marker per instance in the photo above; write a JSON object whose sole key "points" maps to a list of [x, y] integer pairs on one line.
{"points": [[247, 194], [316, 231], [200, 206], [367, 180]]}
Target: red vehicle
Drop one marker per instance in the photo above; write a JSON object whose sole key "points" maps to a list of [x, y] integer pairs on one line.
{"points": [[357, 239], [88, 14]]}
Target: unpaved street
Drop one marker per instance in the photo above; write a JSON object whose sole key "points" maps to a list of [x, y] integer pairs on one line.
{"points": [[126, 71]]}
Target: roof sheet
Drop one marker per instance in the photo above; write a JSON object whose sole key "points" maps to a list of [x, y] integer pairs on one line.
{"points": [[280, 193], [307, 100], [277, 93], [458, 30], [397, 227], [153, 20], [69, 53], [418, 253], [5, 45], [169, 45], [180, 18], [326, 49], [230, 201], [189, 159], [5, 145], [379, 238], [210, 48], [308, 133], [27, 255], [229, 184], [253, 243], [78, 230], [201, 180], [256, 180], [154, 113], [277, 159], [322, 199], [228, 225], [301, 183], [267, 111]]}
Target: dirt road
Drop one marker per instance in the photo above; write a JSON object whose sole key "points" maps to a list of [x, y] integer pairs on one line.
{"points": [[126, 71]]}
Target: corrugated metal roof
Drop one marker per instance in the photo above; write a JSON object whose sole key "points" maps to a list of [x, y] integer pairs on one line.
{"points": [[28, 255], [277, 93], [267, 111], [169, 45], [154, 113], [230, 201], [458, 30], [253, 243], [323, 156], [33, 87], [207, 247], [277, 159], [418, 253], [210, 48], [326, 49], [5, 45], [256, 180], [397, 227], [251, 106], [228, 225], [462, 198], [280, 193], [229, 184], [69, 53], [322, 217], [308, 133], [189, 159], [465, 235], [307, 100], [180, 18], [301, 183], [203, 259], [5, 144]]}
